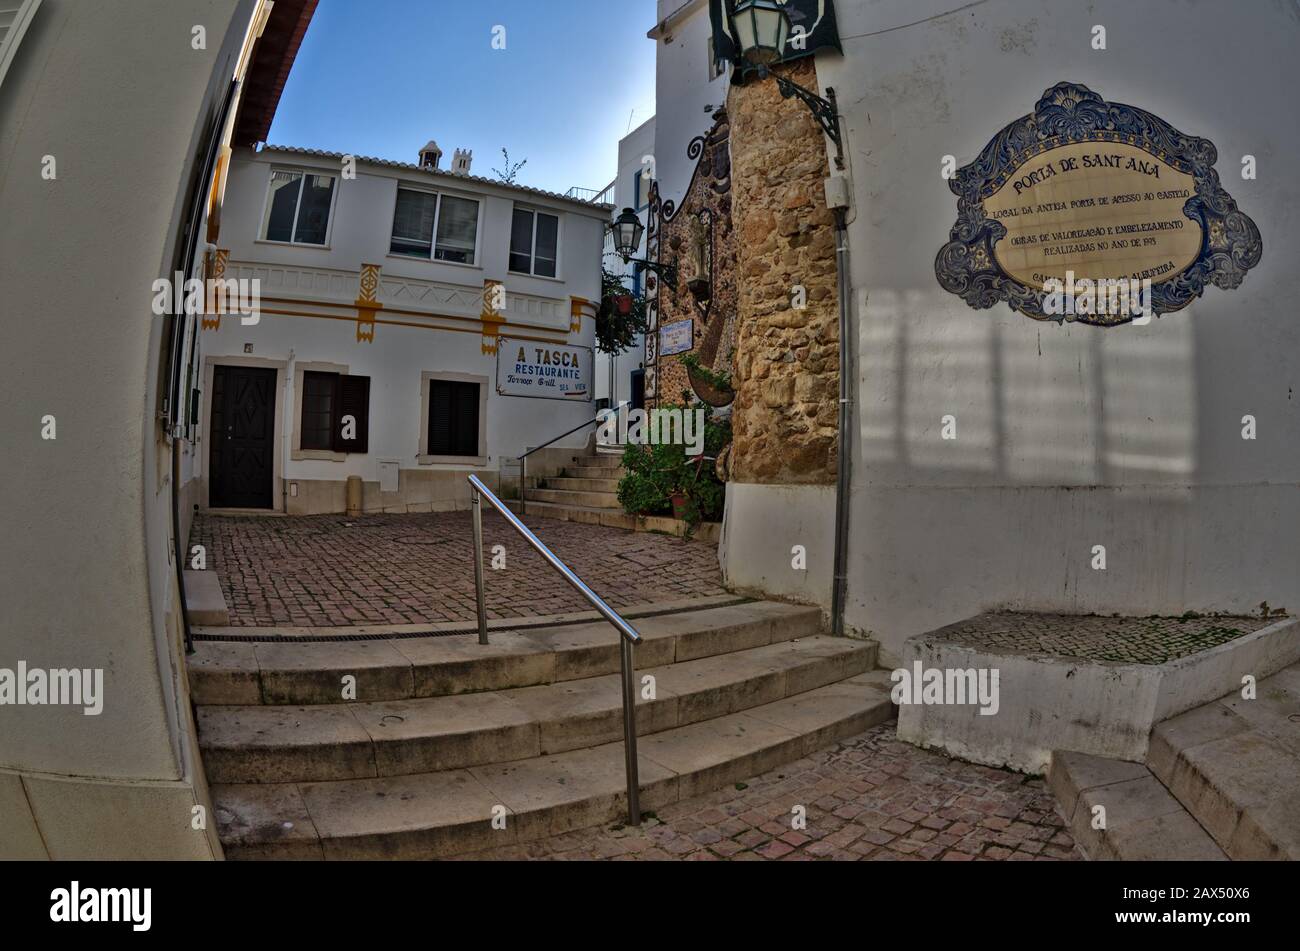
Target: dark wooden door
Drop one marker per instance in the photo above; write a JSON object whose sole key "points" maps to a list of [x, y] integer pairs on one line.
{"points": [[241, 460]]}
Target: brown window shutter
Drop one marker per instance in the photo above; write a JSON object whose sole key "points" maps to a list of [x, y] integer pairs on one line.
{"points": [[354, 401]]}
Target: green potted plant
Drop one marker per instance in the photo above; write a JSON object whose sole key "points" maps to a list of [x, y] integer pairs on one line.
{"points": [[661, 479], [621, 316]]}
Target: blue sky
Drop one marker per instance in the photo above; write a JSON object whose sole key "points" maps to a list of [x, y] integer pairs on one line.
{"points": [[382, 77]]}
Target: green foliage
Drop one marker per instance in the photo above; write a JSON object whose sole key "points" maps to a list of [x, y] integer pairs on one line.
{"points": [[721, 381], [617, 332], [657, 472]]}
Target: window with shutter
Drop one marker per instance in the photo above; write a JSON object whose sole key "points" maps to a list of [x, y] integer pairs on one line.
{"points": [[453, 418], [319, 392], [328, 399], [354, 402]]}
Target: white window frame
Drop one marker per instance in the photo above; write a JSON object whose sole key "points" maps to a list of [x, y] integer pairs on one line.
{"points": [[532, 251], [438, 193], [293, 229]]}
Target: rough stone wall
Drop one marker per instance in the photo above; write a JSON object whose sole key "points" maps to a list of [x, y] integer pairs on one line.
{"points": [[714, 315], [787, 358]]}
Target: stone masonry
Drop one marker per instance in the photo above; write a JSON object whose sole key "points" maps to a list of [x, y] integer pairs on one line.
{"points": [[787, 360]]}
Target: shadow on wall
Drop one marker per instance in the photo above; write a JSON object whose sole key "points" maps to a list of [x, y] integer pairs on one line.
{"points": [[1039, 405]]}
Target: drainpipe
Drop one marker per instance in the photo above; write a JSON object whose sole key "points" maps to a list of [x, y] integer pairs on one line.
{"points": [[845, 454]]}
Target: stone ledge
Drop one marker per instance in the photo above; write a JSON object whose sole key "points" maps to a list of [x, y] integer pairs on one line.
{"points": [[204, 602], [1050, 701]]}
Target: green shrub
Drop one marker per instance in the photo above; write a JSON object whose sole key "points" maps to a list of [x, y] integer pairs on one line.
{"points": [[655, 472]]}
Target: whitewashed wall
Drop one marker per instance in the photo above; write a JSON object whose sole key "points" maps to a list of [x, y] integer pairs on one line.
{"points": [[86, 576], [360, 232], [632, 148], [1068, 436], [683, 89]]}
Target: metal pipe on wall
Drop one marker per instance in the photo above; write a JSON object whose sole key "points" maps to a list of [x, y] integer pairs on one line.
{"points": [[845, 454]]}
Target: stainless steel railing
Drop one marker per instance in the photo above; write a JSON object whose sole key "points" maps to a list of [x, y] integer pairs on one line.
{"points": [[627, 640]]}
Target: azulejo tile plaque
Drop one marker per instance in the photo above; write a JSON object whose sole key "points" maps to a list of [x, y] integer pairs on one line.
{"points": [[1088, 190]]}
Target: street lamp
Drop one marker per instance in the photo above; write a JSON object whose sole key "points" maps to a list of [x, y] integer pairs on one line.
{"points": [[627, 231], [761, 29]]}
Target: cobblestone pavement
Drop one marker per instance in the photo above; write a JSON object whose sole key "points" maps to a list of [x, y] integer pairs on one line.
{"points": [[869, 797], [331, 570], [1131, 640]]}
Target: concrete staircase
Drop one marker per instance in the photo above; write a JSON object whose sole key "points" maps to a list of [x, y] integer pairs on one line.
{"points": [[1219, 782], [586, 492], [446, 733]]}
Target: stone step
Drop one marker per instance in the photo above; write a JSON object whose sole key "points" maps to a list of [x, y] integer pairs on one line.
{"points": [[1143, 822], [609, 460], [598, 500], [308, 673], [276, 744], [573, 485], [450, 812], [709, 532], [1234, 764], [592, 472]]}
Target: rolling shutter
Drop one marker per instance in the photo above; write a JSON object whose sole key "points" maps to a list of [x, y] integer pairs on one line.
{"points": [[453, 418]]}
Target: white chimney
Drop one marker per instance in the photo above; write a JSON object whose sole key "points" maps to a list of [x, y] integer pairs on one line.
{"points": [[461, 160], [430, 155]]}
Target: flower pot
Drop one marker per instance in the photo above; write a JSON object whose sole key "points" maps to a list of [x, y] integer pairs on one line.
{"points": [[679, 505], [622, 304], [707, 391]]}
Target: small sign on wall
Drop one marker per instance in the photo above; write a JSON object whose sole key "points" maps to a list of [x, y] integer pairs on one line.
{"points": [[677, 337], [548, 371]]}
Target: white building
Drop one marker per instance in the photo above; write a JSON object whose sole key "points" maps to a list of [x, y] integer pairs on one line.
{"points": [[692, 84], [1069, 438], [620, 379], [449, 316]]}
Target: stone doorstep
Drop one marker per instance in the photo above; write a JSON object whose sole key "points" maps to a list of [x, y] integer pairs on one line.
{"points": [[276, 744], [436, 815], [204, 602], [1143, 821], [1228, 761], [288, 672]]}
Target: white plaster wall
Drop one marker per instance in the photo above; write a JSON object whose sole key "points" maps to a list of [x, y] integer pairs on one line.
{"points": [[683, 88], [760, 531], [1068, 436], [394, 361], [362, 226], [360, 231], [117, 94], [632, 148]]}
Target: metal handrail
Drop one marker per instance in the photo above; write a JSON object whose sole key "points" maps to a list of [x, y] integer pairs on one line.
{"points": [[523, 460], [627, 640]]}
